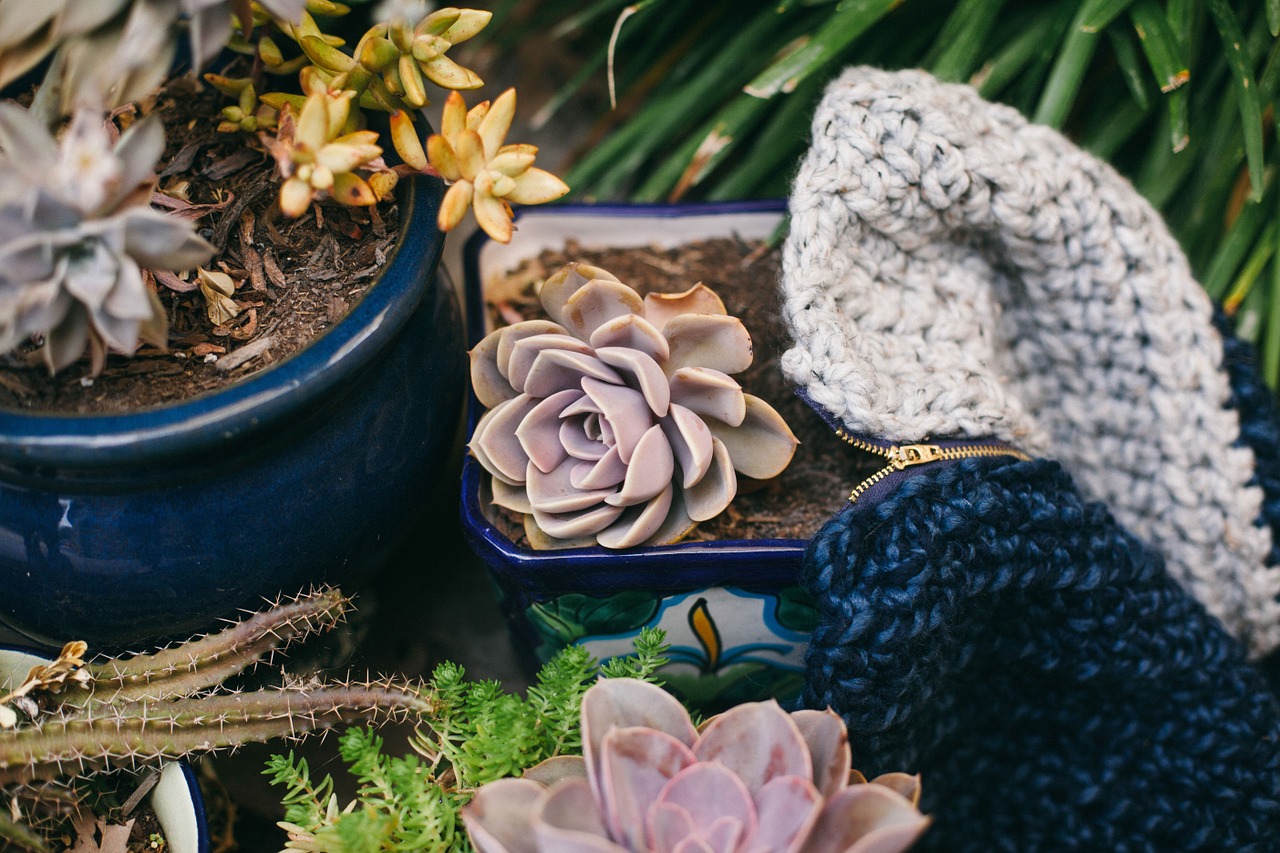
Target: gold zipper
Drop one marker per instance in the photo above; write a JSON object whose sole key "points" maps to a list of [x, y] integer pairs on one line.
{"points": [[902, 456]]}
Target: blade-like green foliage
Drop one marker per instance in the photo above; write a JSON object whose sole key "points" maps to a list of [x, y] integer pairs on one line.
{"points": [[715, 97]]}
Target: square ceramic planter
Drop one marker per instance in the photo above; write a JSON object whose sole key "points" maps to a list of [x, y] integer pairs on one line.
{"points": [[176, 798], [733, 610]]}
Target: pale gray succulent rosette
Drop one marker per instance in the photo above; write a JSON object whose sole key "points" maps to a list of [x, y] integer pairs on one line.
{"points": [[116, 51], [617, 421], [76, 229], [752, 780]]}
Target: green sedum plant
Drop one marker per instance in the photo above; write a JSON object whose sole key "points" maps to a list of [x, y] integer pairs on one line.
{"points": [[73, 717], [477, 733]]}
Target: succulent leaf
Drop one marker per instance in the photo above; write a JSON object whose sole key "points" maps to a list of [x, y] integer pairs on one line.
{"points": [[23, 140], [709, 393], [513, 160], [565, 282], [567, 819], [865, 818], [526, 352], [631, 331], [412, 86], [535, 186], [717, 486], [613, 443], [828, 742], [159, 241], [404, 137], [454, 206], [636, 764], [660, 308], [904, 783], [447, 74], [786, 809], [492, 215], [469, 23], [639, 523], [758, 741], [495, 124], [761, 444], [714, 341], [502, 810], [453, 116]]}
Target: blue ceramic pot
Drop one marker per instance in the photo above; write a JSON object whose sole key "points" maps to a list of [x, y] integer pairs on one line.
{"points": [[733, 610], [128, 529], [176, 798]]}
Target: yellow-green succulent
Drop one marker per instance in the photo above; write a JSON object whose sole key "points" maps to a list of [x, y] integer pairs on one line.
{"points": [[484, 173], [318, 153]]}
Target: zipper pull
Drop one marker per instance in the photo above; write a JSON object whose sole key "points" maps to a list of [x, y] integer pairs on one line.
{"points": [[904, 455], [900, 456]]}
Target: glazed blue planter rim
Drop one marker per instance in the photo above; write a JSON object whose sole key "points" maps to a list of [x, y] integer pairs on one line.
{"points": [[203, 840], [102, 441], [667, 568]]}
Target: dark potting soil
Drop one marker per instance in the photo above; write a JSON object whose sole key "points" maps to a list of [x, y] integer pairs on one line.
{"points": [[295, 278], [824, 469]]}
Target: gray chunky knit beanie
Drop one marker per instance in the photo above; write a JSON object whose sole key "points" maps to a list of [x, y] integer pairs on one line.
{"points": [[955, 271]]}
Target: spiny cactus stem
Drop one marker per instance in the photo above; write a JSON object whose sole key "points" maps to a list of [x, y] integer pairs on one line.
{"points": [[203, 663], [44, 798], [114, 736], [14, 835]]}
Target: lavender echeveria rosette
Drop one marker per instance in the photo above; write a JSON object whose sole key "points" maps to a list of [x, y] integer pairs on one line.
{"points": [[617, 421], [754, 779]]}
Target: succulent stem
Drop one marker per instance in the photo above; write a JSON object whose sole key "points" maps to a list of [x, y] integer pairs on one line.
{"points": [[118, 736], [204, 663]]}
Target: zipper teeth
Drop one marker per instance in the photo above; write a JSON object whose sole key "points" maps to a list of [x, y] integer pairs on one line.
{"points": [[870, 481], [860, 444], [969, 451], [904, 456]]}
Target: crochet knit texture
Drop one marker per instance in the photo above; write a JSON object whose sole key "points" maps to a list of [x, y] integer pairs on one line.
{"points": [[986, 627], [953, 270], [1061, 676]]}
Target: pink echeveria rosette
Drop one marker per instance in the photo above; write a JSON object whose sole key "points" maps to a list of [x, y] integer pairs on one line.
{"points": [[752, 780], [617, 421]]}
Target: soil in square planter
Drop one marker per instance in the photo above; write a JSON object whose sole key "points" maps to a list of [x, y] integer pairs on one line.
{"points": [[744, 274], [299, 276]]}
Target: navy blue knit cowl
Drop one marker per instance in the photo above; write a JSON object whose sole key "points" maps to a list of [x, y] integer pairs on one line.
{"points": [[985, 626]]}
